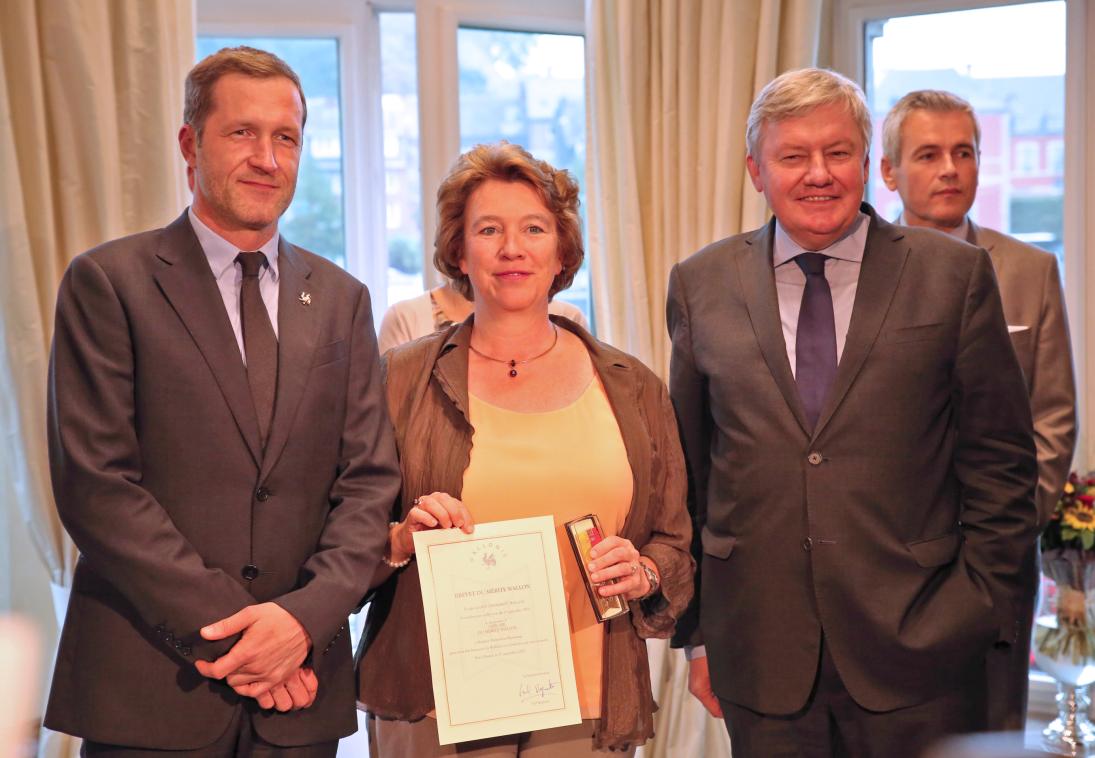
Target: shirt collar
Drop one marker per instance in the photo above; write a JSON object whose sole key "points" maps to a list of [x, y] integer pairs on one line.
{"points": [[221, 253], [849, 247], [962, 231]]}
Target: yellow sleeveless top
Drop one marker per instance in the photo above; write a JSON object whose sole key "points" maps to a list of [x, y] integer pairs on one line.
{"points": [[565, 463]]}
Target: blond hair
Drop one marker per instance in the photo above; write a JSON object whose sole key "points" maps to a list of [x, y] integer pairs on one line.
{"points": [[796, 93]]}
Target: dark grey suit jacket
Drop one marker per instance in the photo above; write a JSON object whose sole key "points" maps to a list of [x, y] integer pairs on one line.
{"points": [[160, 478], [896, 525]]}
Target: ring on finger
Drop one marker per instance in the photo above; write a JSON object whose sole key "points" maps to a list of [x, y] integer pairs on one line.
{"points": [[634, 567], [417, 500]]}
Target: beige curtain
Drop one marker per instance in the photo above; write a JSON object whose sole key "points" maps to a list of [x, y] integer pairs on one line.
{"points": [[670, 84], [90, 103], [1079, 271]]}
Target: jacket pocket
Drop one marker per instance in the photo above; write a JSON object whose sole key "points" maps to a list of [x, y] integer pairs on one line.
{"points": [[935, 551], [914, 333], [329, 353], [717, 545]]}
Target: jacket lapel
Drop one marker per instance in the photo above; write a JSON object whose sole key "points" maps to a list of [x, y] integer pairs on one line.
{"points": [[883, 261], [976, 238], [451, 367], [758, 286], [188, 284], [623, 393], [297, 325]]}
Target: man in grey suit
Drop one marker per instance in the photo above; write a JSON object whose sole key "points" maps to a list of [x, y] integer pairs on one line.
{"points": [[220, 454], [931, 156], [859, 446]]}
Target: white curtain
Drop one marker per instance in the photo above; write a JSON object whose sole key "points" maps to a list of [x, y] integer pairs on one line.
{"points": [[90, 103], [1079, 271], [669, 88]]}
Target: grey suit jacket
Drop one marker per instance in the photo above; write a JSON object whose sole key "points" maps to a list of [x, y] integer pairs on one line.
{"points": [[160, 478], [895, 525], [1030, 288]]}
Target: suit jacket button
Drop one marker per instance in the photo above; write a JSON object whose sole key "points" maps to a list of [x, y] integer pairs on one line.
{"points": [[250, 572], [807, 544], [262, 494], [814, 458]]}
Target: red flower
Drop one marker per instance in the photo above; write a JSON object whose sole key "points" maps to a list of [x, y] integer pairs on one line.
{"points": [[1086, 499]]}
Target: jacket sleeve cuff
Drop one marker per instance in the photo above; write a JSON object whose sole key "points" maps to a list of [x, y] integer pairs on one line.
{"points": [[692, 652], [656, 616]]}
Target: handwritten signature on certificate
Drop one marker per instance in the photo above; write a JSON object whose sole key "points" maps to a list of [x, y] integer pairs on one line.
{"points": [[497, 628]]}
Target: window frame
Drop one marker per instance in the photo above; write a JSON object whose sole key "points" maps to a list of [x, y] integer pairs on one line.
{"points": [[437, 24], [852, 19], [356, 26], [353, 25]]}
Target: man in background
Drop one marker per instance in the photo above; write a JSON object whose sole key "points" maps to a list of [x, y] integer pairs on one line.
{"points": [[931, 144], [220, 453], [858, 438]]}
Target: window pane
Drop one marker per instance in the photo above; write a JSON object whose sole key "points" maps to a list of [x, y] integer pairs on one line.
{"points": [[402, 180], [315, 218], [1009, 62], [528, 88]]}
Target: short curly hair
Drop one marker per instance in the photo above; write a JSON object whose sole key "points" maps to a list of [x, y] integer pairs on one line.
{"points": [[506, 162]]}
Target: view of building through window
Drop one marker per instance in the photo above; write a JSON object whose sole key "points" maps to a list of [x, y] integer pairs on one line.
{"points": [[315, 219], [402, 177], [528, 88], [1009, 63]]}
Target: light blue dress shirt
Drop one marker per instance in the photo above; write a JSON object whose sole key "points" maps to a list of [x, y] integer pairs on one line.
{"points": [[842, 273], [221, 255], [962, 231]]}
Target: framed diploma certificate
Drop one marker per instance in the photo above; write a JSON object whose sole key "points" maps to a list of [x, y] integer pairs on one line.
{"points": [[496, 624]]}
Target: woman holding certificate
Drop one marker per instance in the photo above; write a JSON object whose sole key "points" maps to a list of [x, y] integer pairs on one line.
{"points": [[513, 414]]}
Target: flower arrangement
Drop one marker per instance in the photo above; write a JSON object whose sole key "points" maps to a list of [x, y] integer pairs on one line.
{"points": [[1072, 525], [1068, 558]]}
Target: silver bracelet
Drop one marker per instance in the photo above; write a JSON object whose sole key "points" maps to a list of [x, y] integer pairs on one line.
{"points": [[384, 558]]}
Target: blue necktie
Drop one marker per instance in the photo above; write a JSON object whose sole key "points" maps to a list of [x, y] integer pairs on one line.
{"points": [[815, 340]]}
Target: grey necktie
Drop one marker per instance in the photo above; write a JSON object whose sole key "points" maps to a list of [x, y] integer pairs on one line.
{"points": [[260, 345], [815, 340]]}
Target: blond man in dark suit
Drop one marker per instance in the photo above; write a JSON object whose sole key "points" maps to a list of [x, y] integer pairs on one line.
{"points": [[220, 454], [931, 158], [859, 445]]}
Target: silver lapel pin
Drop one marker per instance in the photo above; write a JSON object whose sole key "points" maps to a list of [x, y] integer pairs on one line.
{"points": [[305, 298]]}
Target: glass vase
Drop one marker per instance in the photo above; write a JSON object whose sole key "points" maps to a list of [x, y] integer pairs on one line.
{"points": [[1064, 647]]}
